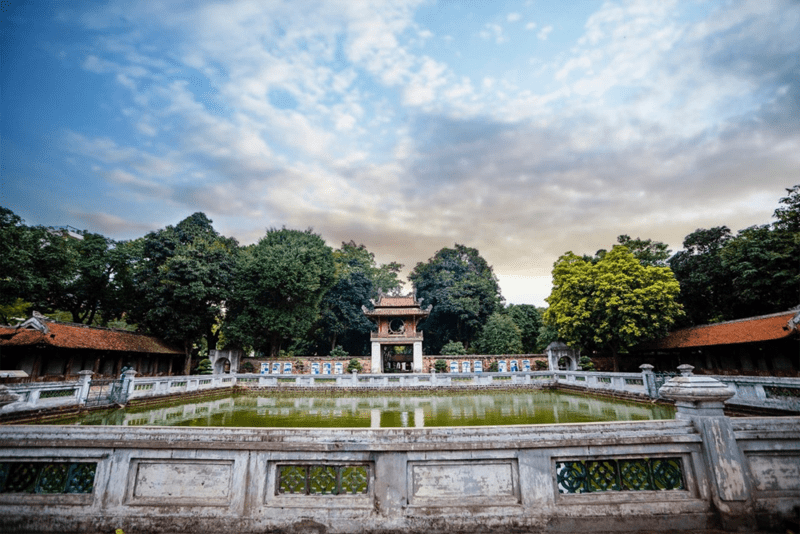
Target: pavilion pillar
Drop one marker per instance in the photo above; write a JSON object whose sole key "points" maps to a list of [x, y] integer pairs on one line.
{"points": [[377, 365], [418, 356]]}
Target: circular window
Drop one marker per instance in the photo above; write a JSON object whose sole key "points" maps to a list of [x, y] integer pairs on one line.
{"points": [[397, 326]]}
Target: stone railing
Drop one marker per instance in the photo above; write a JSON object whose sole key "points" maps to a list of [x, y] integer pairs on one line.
{"points": [[41, 396], [700, 472], [752, 392]]}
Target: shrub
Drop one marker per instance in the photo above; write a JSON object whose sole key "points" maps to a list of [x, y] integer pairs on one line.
{"points": [[541, 365], [204, 367], [585, 363], [453, 348], [440, 365], [338, 352], [247, 367], [353, 365], [493, 367]]}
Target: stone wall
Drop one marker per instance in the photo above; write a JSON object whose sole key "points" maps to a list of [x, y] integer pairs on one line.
{"points": [[652, 476]]}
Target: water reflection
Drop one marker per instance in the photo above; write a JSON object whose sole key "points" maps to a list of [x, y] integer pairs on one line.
{"points": [[509, 408]]}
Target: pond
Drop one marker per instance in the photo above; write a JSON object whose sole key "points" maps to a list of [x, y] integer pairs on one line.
{"points": [[409, 410]]}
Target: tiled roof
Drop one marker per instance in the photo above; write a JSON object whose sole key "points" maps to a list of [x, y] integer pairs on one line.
{"points": [[74, 336], [397, 301], [750, 330]]}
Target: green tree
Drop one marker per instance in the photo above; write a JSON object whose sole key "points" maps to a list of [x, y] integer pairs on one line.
{"points": [[278, 289], [182, 280], [342, 320], [647, 251], [613, 304], [464, 293], [500, 336], [706, 286], [35, 264], [356, 258], [453, 348], [354, 365], [529, 321]]}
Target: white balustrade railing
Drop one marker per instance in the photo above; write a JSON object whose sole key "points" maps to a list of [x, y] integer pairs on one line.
{"points": [[757, 392]]}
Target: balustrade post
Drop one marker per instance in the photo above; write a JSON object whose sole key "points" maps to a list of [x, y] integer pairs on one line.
{"points": [[84, 384], [649, 380], [128, 379], [701, 399]]}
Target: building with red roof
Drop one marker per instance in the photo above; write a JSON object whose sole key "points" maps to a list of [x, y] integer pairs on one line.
{"points": [[397, 343], [49, 350], [767, 343]]}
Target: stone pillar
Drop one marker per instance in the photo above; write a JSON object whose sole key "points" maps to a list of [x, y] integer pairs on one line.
{"points": [[127, 385], [84, 383], [377, 364], [701, 399], [418, 356], [649, 380]]}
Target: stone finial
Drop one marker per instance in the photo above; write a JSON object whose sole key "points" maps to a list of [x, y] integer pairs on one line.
{"points": [[646, 367], [696, 395]]}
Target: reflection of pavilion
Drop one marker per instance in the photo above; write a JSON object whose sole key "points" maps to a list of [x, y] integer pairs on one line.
{"points": [[397, 344]]}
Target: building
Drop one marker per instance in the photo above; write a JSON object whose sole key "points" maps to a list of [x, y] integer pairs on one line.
{"points": [[49, 350], [768, 344], [397, 344]]}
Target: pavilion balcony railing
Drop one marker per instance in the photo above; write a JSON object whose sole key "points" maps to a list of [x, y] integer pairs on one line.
{"points": [[402, 335]]}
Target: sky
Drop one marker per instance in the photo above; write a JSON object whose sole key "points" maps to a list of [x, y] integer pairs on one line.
{"points": [[524, 129]]}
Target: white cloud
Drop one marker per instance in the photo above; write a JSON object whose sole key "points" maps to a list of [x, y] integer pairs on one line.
{"points": [[544, 33]]}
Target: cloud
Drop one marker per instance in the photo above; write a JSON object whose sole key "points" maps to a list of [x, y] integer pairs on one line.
{"points": [[343, 116], [544, 33]]}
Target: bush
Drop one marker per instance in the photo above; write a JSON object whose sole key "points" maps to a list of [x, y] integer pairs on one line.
{"points": [[453, 348], [204, 367], [585, 363], [440, 365], [247, 367], [541, 365], [493, 367], [339, 352], [353, 365]]}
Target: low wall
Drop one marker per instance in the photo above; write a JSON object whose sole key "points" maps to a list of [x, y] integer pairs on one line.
{"points": [[771, 393], [653, 476]]}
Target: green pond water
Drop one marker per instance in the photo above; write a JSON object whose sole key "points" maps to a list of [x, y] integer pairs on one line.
{"points": [[472, 409]]}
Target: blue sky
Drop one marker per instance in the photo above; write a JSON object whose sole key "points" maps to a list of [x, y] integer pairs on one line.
{"points": [[521, 128]]}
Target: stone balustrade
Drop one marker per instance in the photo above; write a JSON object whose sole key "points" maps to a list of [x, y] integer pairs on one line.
{"points": [[701, 472], [751, 392]]}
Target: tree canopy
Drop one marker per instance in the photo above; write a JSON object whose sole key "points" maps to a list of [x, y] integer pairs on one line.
{"points": [[182, 280], [464, 293], [500, 336], [279, 285], [613, 304]]}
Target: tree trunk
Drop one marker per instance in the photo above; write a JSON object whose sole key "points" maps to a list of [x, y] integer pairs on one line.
{"points": [[615, 358], [187, 350]]}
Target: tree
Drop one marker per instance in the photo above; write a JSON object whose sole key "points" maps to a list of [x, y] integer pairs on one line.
{"points": [[182, 280], [706, 286], [356, 258], [453, 348], [464, 293], [500, 336], [529, 321], [35, 264], [613, 304], [278, 288], [647, 251]]}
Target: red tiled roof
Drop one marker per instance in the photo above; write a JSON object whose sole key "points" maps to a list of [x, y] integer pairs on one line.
{"points": [[74, 336], [396, 302], [750, 330]]}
